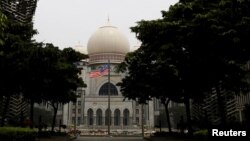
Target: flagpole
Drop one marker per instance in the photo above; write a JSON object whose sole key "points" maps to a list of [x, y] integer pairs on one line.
{"points": [[109, 111]]}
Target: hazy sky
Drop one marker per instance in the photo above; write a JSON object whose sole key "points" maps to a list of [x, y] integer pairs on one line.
{"points": [[66, 23]]}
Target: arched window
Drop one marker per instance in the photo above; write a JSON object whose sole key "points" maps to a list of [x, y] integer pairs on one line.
{"points": [[117, 117], [107, 116], [126, 117], [104, 89], [90, 117], [99, 117]]}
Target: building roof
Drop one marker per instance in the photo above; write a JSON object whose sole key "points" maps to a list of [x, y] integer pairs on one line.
{"points": [[107, 39]]}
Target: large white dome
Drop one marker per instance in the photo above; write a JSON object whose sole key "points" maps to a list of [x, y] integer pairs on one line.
{"points": [[108, 39]]}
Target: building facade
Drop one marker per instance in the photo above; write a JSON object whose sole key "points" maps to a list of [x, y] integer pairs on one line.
{"points": [[208, 109], [90, 111], [20, 10]]}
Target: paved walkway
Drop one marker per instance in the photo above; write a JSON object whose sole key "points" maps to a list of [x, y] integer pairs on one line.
{"points": [[167, 139], [113, 139], [109, 139], [55, 139]]}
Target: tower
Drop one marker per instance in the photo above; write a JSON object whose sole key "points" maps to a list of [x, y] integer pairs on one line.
{"points": [[20, 10]]}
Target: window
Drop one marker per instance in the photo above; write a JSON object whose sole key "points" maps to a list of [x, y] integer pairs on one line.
{"points": [[117, 117], [79, 103], [137, 120], [99, 117], [78, 120], [90, 117], [137, 111], [93, 67], [107, 117], [73, 111], [79, 111], [104, 89], [126, 117]]}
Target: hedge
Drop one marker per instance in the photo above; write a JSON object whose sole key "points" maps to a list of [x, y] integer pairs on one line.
{"points": [[17, 134]]}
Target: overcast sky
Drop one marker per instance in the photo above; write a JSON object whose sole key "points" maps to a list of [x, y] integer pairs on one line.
{"points": [[67, 23]]}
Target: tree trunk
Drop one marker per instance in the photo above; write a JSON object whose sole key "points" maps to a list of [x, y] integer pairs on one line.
{"points": [[55, 107], [188, 113], [221, 106], [40, 123], [5, 110], [167, 114], [21, 119], [31, 113]]}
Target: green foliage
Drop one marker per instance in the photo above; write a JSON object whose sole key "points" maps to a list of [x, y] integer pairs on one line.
{"points": [[15, 133], [71, 55], [48, 75], [40, 72], [197, 45], [15, 38]]}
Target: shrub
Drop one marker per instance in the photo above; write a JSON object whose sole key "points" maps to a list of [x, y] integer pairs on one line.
{"points": [[17, 134], [201, 133]]}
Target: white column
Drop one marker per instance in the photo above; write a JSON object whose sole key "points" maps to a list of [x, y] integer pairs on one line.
{"points": [[151, 114]]}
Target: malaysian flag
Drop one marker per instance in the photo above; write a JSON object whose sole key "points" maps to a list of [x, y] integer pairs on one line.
{"points": [[100, 72]]}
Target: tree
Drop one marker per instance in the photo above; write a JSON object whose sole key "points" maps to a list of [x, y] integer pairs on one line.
{"points": [[196, 46], [50, 76], [15, 38], [35, 71], [62, 77], [214, 43], [147, 79]]}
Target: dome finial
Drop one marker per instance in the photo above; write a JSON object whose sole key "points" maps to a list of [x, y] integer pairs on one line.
{"points": [[108, 20]]}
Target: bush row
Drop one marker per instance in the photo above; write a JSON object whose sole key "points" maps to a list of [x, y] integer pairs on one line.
{"points": [[17, 134]]}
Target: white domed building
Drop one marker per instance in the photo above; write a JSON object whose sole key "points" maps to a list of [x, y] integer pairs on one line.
{"points": [[105, 45]]}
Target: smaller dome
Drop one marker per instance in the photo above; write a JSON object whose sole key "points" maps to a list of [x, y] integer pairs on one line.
{"points": [[80, 49], [108, 39]]}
